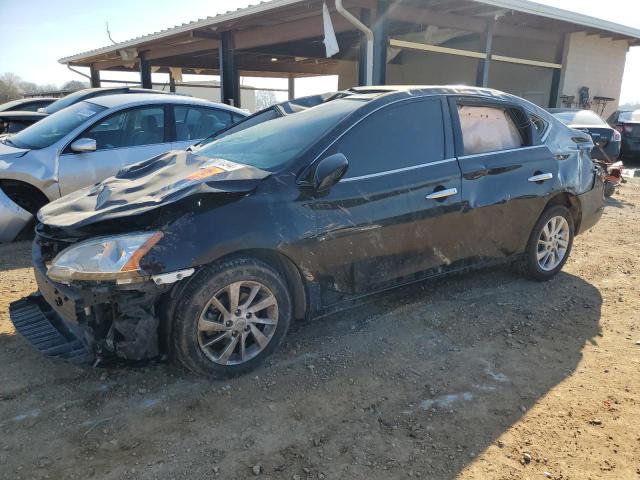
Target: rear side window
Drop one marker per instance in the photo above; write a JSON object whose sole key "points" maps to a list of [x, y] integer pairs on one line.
{"points": [[487, 129], [129, 128], [398, 136], [194, 123]]}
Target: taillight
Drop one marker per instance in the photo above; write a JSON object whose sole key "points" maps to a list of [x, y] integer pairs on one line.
{"points": [[616, 136]]}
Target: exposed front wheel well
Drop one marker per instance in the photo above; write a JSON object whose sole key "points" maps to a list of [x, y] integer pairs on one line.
{"points": [[24, 195], [572, 203]]}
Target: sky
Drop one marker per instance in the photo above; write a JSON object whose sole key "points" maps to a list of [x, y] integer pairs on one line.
{"points": [[37, 33]]}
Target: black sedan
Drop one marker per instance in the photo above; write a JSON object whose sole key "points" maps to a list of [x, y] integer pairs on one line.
{"points": [[209, 256], [605, 138], [627, 122]]}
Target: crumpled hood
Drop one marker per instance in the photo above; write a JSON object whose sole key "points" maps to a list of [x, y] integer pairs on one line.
{"points": [[147, 185]]}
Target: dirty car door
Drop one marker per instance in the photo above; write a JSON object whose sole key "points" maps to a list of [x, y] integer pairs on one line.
{"points": [[377, 226], [122, 139], [507, 175]]}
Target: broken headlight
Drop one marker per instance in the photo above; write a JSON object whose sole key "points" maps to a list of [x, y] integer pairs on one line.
{"points": [[105, 258]]}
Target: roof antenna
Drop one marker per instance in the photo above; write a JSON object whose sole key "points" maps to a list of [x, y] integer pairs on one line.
{"points": [[109, 34]]}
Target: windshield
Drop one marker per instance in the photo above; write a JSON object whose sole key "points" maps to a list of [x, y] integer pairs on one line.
{"points": [[630, 116], [52, 128], [271, 144], [580, 117]]}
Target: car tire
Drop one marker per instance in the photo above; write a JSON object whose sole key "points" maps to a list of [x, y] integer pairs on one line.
{"points": [[208, 337], [547, 251]]}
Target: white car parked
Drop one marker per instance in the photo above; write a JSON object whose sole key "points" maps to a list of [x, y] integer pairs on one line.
{"points": [[92, 140]]}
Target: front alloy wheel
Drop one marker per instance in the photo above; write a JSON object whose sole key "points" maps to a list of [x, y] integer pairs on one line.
{"points": [[238, 323], [230, 317]]}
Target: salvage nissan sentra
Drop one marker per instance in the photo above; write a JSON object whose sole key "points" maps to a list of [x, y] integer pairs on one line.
{"points": [[209, 256]]}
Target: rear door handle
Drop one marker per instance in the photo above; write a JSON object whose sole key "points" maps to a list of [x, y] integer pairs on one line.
{"points": [[437, 195], [541, 177]]}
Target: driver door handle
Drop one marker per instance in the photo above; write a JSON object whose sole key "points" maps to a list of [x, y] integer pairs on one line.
{"points": [[541, 177], [437, 195]]}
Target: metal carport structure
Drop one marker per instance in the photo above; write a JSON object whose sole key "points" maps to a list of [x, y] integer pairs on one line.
{"points": [[283, 38]]}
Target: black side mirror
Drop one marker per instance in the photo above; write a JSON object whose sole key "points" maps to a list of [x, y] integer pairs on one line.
{"points": [[329, 171]]}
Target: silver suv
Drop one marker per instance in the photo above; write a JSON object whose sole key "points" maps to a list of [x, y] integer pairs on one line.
{"points": [[92, 140]]}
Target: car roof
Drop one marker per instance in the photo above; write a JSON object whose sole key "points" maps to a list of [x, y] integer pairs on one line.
{"points": [[122, 99]]}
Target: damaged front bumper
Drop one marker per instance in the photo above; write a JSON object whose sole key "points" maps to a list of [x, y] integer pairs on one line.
{"points": [[86, 322], [13, 218]]}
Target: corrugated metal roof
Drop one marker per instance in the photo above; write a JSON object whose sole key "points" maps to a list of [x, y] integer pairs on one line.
{"points": [[185, 27], [524, 6]]}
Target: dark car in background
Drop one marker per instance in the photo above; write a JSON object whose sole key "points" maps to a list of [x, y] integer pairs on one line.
{"points": [[13, 121], [27, 104], [606, 139], [209, 256], [627, 122]]}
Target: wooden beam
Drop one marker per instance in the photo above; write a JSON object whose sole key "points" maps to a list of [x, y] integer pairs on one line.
{"points": [[436, 49]]}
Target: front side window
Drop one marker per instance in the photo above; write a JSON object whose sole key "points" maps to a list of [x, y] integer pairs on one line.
{"points": [[398, 136], [129, 128], [54, 127], [487, 129], [194, 123]]}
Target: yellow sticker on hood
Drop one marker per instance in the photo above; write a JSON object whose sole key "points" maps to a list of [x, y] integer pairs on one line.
{"points": [[205, 173]]}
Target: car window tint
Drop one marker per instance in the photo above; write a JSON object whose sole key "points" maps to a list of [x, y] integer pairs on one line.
{"points": [[487, 129], [129, 128], [194, 123], [395, 137]]}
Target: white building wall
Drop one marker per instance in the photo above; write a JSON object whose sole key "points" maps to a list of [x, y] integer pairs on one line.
{"points": [[594, 62]]}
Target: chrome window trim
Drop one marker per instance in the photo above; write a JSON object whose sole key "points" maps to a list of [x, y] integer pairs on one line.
{"points": [[501, 151], [390, 172]]}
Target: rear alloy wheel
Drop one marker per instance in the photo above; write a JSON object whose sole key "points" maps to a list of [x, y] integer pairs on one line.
{"points": [[231, 317], [550, 243]]}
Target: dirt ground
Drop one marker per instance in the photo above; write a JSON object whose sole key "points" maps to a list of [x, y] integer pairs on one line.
{"points": [[482, 376]]}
